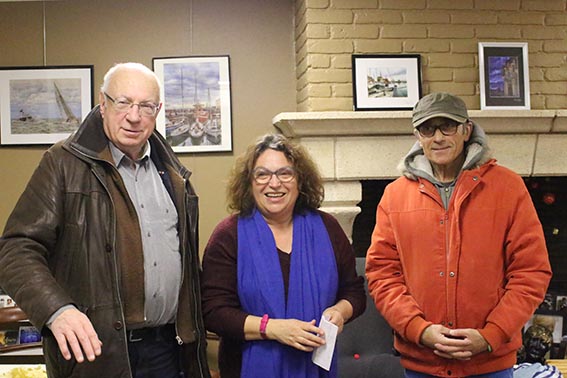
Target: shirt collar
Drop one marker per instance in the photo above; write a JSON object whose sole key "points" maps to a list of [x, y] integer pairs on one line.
{"points": [[118, 156]]}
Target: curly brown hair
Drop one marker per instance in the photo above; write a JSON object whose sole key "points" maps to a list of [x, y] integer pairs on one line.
{"points": [[309, 183]]}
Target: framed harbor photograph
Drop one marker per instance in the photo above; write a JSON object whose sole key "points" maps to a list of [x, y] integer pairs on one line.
{"points": [[197, 114], [42, 105], [386, 82], [504, 75]]}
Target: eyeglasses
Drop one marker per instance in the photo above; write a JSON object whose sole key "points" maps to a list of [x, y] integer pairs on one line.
{"points": [[447, 129], [263, 176], [123, 106]]}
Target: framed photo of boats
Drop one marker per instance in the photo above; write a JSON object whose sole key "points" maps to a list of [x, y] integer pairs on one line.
{"points": [[504, 75], [42, 105], [197, 114], [386, 82]]}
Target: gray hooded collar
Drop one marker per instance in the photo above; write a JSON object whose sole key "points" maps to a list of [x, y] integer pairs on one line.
{"points": [[477, 151]]}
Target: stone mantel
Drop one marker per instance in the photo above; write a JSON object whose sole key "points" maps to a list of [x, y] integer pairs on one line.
{"points": [[309, 124], [354, 146]]}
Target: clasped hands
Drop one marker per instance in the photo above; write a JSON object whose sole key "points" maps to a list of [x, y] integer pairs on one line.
{"points": [[458, 344], [305, 336]]}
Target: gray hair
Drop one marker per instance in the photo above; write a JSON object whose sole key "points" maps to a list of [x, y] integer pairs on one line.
{"points": [[128, 66]]}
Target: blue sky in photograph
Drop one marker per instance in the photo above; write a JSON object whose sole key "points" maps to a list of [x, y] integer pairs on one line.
{"points": [[181, 80], [496, 67], [392, 73], [36, 97]]}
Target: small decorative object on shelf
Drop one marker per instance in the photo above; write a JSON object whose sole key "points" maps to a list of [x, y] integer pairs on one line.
{"points": [[15, 330], [8, 337], [29, 334], [6, 301]]}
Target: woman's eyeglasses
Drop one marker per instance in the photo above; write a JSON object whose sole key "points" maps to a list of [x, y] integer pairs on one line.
{"points": [[263, 176]]}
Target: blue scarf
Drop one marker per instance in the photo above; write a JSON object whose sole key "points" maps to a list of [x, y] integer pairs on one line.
{"points": [[313, 286]]}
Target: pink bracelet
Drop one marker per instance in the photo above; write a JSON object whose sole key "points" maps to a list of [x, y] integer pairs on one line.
{"points": [[263, 324]]}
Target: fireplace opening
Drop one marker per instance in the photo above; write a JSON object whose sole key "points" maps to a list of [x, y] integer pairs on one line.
{"points": [[549, 195]]}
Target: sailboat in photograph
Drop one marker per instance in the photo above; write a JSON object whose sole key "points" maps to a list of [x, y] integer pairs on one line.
{"points": [[63, 107]]}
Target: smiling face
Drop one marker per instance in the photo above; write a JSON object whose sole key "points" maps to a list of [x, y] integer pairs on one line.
{"points": [[275, 200], [445, 152], [129, 131]]}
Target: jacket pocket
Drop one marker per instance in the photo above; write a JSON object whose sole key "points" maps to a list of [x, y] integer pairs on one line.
{"points": [[57, 366]]}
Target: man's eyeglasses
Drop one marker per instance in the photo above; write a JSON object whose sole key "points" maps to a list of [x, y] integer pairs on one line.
{"points": [[263, 176], [447, 129], [123, 106]]}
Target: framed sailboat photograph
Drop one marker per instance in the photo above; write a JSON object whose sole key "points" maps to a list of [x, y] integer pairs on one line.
{"points": [[43, 105], [196, 114], [386, 82]]}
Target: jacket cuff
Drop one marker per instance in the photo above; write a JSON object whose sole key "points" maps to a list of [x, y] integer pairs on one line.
{"points": [[493, 335], [56, 314], [415, 328]]}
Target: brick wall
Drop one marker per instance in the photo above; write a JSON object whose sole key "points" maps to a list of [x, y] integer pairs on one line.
{"points": [[444, 32]]}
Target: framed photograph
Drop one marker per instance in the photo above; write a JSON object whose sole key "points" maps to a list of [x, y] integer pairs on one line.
{"points": [[6, 301], [29, 334], [197, 111], [548, 303], [8, 337], [386, 82], [561, 303], [42, 105], [504, 75]]}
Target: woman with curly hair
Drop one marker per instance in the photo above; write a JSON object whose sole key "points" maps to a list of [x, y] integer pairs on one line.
{"points": [[276, 265]]}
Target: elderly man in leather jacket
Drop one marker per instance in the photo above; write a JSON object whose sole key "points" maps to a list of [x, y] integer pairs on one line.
{"points": [[101, 249]]}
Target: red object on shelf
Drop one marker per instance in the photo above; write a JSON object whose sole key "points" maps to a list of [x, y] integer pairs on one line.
{"points": [[549, 198], [356, 356]]}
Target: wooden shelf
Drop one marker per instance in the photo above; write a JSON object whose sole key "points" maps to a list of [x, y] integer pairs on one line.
{"points": [[11, 318], [18, 347], [560, 364]]}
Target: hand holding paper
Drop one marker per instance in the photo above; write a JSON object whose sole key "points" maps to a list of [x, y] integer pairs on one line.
{"points": [[323, 355]]}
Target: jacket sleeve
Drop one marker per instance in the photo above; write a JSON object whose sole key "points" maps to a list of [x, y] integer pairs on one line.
{"points": [[29, 237], [528, 272], [222, 310], [386, 282]]}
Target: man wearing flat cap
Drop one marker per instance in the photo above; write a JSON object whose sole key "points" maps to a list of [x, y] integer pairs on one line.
{"points": [[457, 262]]}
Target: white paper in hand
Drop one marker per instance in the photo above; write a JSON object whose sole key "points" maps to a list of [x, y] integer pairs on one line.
{"points": [[323, 355]]}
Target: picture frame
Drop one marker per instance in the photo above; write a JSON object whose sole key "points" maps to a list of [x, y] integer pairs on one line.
{"points": [[197, 104], [43, 105], [386, 82], [504, 75], [28, 334]]}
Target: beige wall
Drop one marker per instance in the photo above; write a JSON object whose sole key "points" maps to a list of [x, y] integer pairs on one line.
{"points": [[444, 32], [257, 34]]}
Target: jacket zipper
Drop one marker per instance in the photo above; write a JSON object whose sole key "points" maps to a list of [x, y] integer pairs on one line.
{"points": [[115, 263], [116, 276], [445, 221]]}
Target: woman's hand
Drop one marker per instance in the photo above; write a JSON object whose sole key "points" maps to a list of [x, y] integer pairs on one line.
{"points": [[339, 313], [334, 316], [298, 334]]}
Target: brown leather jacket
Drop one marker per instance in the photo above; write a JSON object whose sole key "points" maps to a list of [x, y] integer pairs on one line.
{"points": [[58, 248]]}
